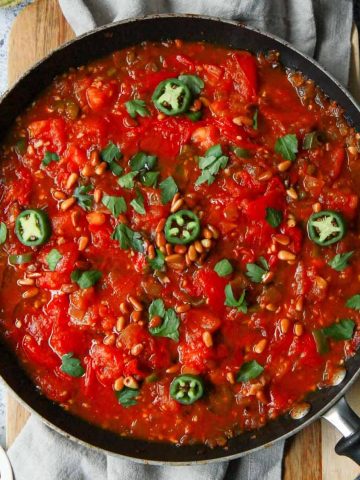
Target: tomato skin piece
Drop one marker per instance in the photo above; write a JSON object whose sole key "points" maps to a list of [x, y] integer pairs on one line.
{"points": [[212, 287], [242, 68]]}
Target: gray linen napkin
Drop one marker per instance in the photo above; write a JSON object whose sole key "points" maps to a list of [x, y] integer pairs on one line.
{"points": [[320, 28]]}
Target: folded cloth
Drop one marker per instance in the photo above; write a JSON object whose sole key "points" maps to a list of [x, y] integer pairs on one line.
{"points": [[320, 28]]}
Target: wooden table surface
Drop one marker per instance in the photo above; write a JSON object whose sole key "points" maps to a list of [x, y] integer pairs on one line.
{"points": [[39, 29]]}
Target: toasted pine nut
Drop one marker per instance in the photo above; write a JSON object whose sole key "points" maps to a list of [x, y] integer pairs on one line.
{"points": [[160, 225], [97, 195], [173, 368], [68, 203], [151, 252], [352, 150], [230, 378], [87, 171], [135, 303], [321, 282], [283, 166], [267, 277], [174, 258], [282, 239], [120, 323], [124, 308], [169, 249], [26, 281], [83, 242], [32, 292], [207, 234], [175, 206], [75, 215], [72, 179], [271, 307], [285, 255], [137, 349], [119, 384], [94, 158], [109, 339], [58, 195], [161, 116], [207, 339], [299, 305], [160, 239], [242, 120], [95, 218], [198, 246], [260, 346], [206, 242], [265, 176], [298, 329], [292, 193], [130, 382], [214, 231], [192, 254], [316, 207], [284, 325], [182, 308], [100, 169], [180, 249]]}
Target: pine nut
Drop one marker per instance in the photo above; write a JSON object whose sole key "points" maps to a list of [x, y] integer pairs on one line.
{"points": [[97, 195], [124, 308], [242, 120], [137, 349], [282, 239], [207, 234], [160, 225], [100, 169], [83, 242], [182, 308], [260, 346], [95, 218], [58, 195], [109, 339], [284, 325], [206, 242], [214, 231], [87, 171], [292, 193], [120, 323], [298, 329], [265, 176], [352, 150], [94, 158], [135, 303], [177, 205], [119, 384], [68, 203], [160, 239], [321, 282], [283, 166], [173, 369], [267, 278], [207, 339], [72, 179], [32, 292], [192, 254], [151, 252], [26, 281], [174, 258], [271, 307], [299, 305], [168, 249], [180, 249], [230, 378], [130, 382], [198, 246], [75, 215], [316, 207], [285, 255]]}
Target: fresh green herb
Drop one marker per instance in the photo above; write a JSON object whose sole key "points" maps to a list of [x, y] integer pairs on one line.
{"points": [[255, 273], [170, 322], [194, 116], [153, 377], [3, 233], [312, 140], [354, 302], [50, 157], [85, 200], [287, 146], [264, 263], [255, 119], [168, 189], [142, 161], [149, 179], [340, 261], [158, 262], [321, 341], [110, 153], [127, 181], [249, 370], [138, 203], [20, 259], [127, 238], [194, 83], [210, 164], [273, 217], [241, 152], [223, 268], [230, 300], [343, 330], [53, 258], [137, 107], [116, 205], [87, 278], [71, 365], [127, 396], [116, 169]]}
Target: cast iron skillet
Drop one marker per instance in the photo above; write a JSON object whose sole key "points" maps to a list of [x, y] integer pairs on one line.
{"points": [[327, 402]]}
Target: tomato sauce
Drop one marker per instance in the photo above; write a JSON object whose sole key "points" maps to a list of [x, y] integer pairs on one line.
{"points": [[243, 307]]}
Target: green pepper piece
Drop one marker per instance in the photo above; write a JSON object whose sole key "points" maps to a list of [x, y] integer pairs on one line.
{"points": [[321, 341], [326, 227], [182, 227], [187, 389], [32, 227], [172, 97], [20, 259]]}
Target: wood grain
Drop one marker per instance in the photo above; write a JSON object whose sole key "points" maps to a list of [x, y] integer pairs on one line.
{"points": [[39, 29]]}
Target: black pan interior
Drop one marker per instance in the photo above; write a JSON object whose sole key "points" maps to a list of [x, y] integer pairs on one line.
{"points": [[98, 44]]}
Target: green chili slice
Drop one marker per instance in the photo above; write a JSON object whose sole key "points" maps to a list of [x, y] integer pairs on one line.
{"points": [[326, 227], [172, 97], [187, 389], [20, 259], [182, 227], [32, 227]]}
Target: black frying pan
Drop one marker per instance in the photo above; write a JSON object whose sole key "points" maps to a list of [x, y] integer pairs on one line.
{"points": [[330, 402]]}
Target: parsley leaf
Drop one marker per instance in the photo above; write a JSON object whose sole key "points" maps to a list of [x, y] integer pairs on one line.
{"points": [[50, 157], [110, 153], [223, 268], [249, 370], [287, 146], [127, 181], [312, 140], [230, 300], [210, 164], [115, 168], [3, 233], [168, 189], [158, 262], [142, 161], [53, 258], [194, 83], [241, 152], [339, 262], [138, 203], [170, 322], [137, 107], [255, 273], [354, 302], [87, 278], [127, 238], [273, 217], [127, 396], [84, 199], [116, 205], [255, 119], [149, 179], [71, 365], [343, 330]]}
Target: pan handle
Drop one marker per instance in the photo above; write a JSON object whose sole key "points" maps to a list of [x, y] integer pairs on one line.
{"points": [[348, 423]]}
